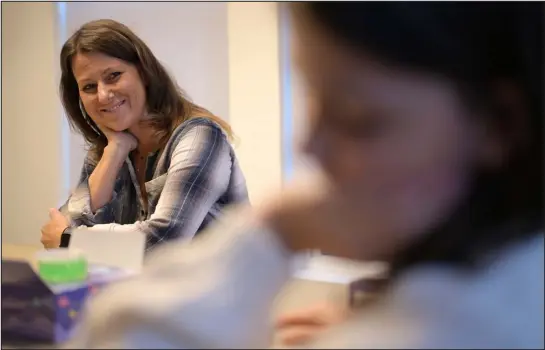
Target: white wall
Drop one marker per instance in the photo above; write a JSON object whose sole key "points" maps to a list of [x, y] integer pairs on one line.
{"points": [[225, 55], [254, 89], [31, 120]]}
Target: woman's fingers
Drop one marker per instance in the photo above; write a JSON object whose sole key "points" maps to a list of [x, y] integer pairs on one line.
{"points": [[301, 326], [297, 335], [317, 315], [306, 317]]}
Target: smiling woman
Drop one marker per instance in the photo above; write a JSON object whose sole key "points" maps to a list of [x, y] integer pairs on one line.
{"points": [[158, 164]]}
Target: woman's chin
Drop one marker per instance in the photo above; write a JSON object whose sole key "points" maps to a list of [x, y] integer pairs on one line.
{"points": [[120, 127], [123, 123]]}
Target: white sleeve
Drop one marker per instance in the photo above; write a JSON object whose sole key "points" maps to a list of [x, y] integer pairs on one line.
{"points": [[213, 292]]}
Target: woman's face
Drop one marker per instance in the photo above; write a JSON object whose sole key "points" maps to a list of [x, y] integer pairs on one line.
{"points": [[112, 91], [399, 140]]}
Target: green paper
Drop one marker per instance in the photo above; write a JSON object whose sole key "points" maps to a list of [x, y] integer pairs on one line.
{"points": [[63, 271]]}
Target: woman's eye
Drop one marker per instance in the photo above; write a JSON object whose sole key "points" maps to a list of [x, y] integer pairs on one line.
{"points": [[363, 127], [89, 87], [113, 76], [370, 129]]}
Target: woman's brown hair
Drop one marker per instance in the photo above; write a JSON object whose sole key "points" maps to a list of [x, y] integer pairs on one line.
{"points": [[167, 104]]}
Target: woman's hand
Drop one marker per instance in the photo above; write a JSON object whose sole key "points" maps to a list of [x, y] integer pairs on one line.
{"points": [[52, 230], [121, 140], [102, 180], [301, 326]]}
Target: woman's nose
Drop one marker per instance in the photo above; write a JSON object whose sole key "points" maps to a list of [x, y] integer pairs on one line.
{"points": [[104, 94], [317, 144]]}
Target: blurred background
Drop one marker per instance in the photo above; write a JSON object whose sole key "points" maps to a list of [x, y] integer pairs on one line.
{"points": [[232, 58]]}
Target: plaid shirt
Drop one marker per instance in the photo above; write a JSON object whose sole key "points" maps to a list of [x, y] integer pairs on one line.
{"points": [[188, 186]]}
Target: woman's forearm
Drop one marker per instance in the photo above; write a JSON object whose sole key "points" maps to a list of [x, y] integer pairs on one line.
{"points": [[102, 180]]}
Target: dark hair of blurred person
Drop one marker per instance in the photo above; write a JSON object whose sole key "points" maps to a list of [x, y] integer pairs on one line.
{"points": [[491, 59]]}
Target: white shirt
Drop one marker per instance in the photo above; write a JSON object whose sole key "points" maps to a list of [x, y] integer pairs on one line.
{"points": [[217, 292]]}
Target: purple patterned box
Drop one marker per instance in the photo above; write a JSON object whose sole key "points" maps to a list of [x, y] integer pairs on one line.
{"points": [[37, 311]]}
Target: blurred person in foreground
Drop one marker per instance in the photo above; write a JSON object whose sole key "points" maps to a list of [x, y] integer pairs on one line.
{"points": [[158, 164], [427, 120]]}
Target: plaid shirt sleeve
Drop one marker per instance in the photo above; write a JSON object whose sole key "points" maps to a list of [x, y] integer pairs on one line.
{"points": [[198, 175], [78, 206]]}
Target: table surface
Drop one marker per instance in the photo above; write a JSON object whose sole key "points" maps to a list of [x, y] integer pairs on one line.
{"points": [[23, 252], [295, 295]]}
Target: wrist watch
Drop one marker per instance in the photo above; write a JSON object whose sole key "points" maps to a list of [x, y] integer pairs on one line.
{"points": [[65, 237]]}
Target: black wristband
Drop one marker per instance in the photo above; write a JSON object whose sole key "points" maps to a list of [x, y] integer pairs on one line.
{"points": [[65, 237]]}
